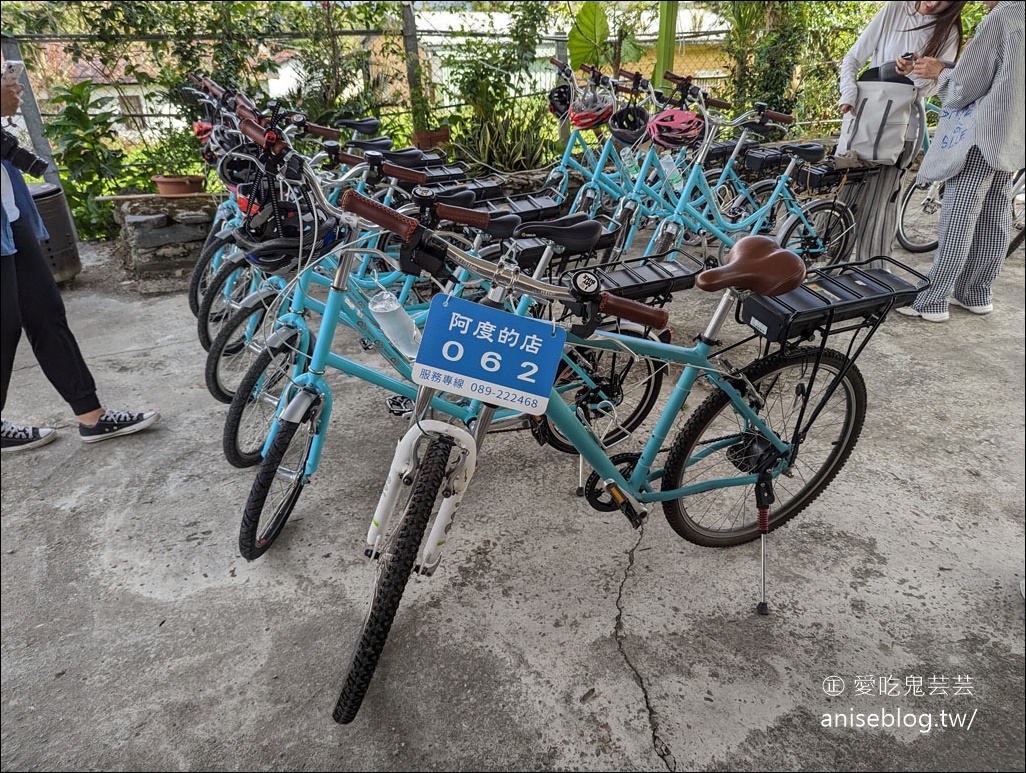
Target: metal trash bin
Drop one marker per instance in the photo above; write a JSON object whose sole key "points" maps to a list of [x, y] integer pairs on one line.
{"points": [[61, 249]]}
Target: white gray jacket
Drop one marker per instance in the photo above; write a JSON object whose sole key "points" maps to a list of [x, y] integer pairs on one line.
{"points": [[984, 99]]}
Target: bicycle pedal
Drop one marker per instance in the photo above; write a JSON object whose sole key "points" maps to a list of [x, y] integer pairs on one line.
{"points": [[399, 405]]}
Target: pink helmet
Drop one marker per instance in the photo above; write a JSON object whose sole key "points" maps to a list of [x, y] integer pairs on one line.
{"points": [[675, 128]]}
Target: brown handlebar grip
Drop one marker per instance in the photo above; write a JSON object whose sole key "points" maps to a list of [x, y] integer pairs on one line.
{"points": [[718, 103], [402, 173], [195, 78], [265, 139], [672, 76], [625, 73], [624, 89], [559, 64], [242, 99], [475, 218], [322, 131], [773, 115], [349, 159], [590, 69], [246, 114], [377, 213], [212, 87], [625, 308]]}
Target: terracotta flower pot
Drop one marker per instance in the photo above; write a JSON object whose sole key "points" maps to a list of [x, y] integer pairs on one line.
{"points": [[431, 138], [170, 186]]}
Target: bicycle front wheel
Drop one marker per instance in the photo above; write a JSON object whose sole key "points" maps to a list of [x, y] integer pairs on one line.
{"points": [[214, 248], [825, 236], [616, 393], [277, 487], [397, 552], [255, 404], [237, 345], [918, 216], [227, 289], [723, 517]]}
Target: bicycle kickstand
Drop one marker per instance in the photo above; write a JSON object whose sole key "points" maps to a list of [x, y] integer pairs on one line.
{"points": [[763, 499]]}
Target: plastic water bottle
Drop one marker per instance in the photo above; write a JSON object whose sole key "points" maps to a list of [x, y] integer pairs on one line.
{"points": [[630, 162], [395, 323], [672, 173]]}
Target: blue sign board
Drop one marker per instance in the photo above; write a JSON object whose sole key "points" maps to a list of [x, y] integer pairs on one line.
{"points": [[488, 354]]}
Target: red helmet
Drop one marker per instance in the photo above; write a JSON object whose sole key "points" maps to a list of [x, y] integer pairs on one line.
{"points": [[592, 110], [675, 128]]}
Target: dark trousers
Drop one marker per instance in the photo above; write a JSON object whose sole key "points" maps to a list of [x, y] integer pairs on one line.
{"points": [[29, 298]]}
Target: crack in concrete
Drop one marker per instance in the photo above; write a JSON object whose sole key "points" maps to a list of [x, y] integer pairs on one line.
{"points": [[660, 746]]}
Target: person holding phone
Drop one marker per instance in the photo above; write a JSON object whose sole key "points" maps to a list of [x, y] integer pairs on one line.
{"points": [[30, 300], [902, 26], [977, 147]]}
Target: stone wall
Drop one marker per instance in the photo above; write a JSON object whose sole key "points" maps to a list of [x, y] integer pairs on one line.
{"points": [[162, 237]]}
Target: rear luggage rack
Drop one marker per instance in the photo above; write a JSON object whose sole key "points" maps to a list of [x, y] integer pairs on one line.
{"points": [[851, 294]]}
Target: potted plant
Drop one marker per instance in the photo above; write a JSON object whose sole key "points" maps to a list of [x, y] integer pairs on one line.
{"points": [[176, 159]]}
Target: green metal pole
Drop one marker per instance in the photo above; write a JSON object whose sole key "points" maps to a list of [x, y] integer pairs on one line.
{"points": [[666, 46]]}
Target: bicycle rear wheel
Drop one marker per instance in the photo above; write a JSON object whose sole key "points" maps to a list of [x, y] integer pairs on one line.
{"points": [[716, 443], [829, 236], [277, 486], [397, 552]]}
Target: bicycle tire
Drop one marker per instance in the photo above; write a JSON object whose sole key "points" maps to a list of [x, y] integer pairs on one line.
{"points": [[396, 556], [258, 533], [725, 517], [834, 227], [641, 380], [236, 345], [218, 305], [1018, 208], [204, 270], [918, 216], [255, 404]]}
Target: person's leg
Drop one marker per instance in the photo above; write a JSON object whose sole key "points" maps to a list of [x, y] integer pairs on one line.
{"points": [[963, 200], [989, 245], [10, 323], [13, 437], [46, 325]]}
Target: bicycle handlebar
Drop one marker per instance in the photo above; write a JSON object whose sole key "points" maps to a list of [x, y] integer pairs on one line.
{"points": [[406, 228], [718, 103], [402, 173], [268, 140], [475, 218], [559, 65], [784, 118]]}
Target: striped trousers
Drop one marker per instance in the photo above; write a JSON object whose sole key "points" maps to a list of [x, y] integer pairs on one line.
{"points": [[975, 221], [875, 203]]}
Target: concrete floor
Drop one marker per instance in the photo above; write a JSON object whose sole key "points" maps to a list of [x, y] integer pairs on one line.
{"points": [[552, 637]]}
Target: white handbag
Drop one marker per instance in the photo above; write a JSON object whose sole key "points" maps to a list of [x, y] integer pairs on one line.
{"points": [[876, 130]]}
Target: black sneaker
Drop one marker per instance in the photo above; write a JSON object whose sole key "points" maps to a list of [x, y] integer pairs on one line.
{"points": [[16, 438], [117, 423]]}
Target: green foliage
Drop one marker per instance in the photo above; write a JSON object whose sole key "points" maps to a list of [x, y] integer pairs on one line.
{"points": [[175, 152], [335, 78], [84, 139], [787, 53], [499, 127], [512, 140], [595, 23]]}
